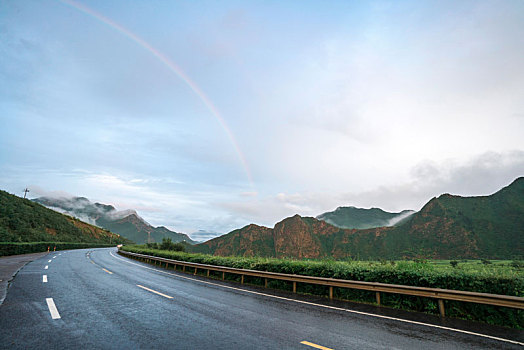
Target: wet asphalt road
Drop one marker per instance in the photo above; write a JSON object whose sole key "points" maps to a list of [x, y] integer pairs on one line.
{"points": [[107, 301]]}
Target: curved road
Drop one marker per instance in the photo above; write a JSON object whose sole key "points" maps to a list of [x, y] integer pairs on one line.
{"points": [[98, 299]]}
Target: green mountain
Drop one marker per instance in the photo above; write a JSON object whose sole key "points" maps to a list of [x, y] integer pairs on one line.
{"points": [[447, 227], [351, 217], [126, 223], [22, 220]]}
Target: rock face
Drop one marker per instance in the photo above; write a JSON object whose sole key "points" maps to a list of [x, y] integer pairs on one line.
{"points": [[447, 227], [126, 223]]}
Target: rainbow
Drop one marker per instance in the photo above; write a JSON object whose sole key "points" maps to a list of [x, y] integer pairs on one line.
{"points": [[174, 69]]}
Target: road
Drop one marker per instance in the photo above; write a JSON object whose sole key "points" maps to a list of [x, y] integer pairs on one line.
{"points": [[98, 299], [9, 266]]}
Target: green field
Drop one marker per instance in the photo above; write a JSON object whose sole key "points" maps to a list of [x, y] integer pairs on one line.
{"points": [[501, 268]]}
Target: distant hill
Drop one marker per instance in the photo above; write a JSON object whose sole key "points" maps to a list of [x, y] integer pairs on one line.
{"points": [[351, 217], [204, 235], [447, 227], [126, 223], [22, 220]]}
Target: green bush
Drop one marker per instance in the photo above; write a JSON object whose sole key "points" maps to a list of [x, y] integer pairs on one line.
{"points": [[15, 248], [167, 244], [411, 273]]}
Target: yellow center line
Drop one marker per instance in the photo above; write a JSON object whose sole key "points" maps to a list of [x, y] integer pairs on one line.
{"points": [[109, 272], [154, 291], [313, 345]]}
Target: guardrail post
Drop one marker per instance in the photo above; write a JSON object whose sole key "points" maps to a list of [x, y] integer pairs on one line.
{"points": [[174, 267], [184, 268], [265, 282], [223, 275], [208, 272], [241, 279], [441, 308], [294, 287], [196, 271], [377, 294], [330, 292]]}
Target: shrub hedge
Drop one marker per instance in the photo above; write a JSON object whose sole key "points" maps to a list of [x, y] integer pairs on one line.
{"points": [[14, 248], [408, 273]]}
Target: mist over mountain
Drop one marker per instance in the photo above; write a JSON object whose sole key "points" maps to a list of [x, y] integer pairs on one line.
{"points": [[124, 222], [351, 217], [22, 220], [447, 227]]}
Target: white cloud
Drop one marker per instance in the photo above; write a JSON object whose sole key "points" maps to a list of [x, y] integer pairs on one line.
{"points": [[482, 175]]}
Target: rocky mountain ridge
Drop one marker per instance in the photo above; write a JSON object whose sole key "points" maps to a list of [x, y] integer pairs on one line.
{"points": [[447, 227]]}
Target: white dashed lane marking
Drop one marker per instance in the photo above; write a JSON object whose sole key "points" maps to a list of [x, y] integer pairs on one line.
{"points": [[52, 308]]}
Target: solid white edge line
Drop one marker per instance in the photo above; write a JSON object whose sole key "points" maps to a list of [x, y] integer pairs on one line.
{"points": [[46, 267], [327, 306], [52, 308], [44, 279], [154, 291]]}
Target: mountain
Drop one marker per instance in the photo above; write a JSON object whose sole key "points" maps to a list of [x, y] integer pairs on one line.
{"points": [[351, 217], [126, 222], [447, 227], [204, 235], [22, 220]]}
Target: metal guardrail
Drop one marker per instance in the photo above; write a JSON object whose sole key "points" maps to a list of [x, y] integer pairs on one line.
{"points": [[435, 293]]}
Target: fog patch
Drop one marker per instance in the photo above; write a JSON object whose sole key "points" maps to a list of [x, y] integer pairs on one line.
{"points": [[402, 216]]}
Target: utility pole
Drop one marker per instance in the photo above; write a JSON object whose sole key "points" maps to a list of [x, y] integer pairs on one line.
{"points": [[149, 237], [25, 192]]}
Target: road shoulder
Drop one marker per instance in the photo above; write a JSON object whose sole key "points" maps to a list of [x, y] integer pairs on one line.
{"points": [[9, 267]]}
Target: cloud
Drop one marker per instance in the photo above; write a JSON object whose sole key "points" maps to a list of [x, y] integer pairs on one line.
{"points": [[249, 194], [37, 191], [398, 218], [202, 236], [482, 175]]}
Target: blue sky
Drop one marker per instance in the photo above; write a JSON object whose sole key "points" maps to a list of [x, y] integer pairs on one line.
{"points": [[371, 104]]}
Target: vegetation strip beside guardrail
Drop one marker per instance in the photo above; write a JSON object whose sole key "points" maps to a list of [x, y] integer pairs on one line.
{"points": [[15, 248], [436, 293]]}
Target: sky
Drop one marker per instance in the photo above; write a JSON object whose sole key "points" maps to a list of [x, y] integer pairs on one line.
{"points": [[207, 116]]}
